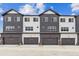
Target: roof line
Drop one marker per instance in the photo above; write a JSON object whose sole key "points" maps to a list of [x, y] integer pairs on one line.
{"points": [[50, 10], [10, 10]]}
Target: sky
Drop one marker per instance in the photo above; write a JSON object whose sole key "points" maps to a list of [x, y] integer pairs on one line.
{"points": [[38, 8]]}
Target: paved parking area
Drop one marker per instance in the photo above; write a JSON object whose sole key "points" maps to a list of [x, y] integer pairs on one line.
{"points": [[36, 50]]}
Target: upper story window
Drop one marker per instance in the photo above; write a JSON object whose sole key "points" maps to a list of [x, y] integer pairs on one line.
{"points": [[62, 19], [64, 29], [10, 28], [29, 28], [35, 19], [8, 19], [71, 20], [18, 19], [27, 19], [54, 19], [45, 19], [52, 28]]}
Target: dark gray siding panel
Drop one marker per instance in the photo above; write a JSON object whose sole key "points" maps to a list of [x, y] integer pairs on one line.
{"points": [[49, 23], [77, 24], [13, 23], [68, 41], [1, 41], [31, 40], [77, 39], [49, 39]]}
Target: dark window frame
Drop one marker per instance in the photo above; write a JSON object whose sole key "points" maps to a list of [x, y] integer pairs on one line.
{"points": [[62, 19], [71, 20], [64, 29], [35, 19], [27, 19], [28, 28]]}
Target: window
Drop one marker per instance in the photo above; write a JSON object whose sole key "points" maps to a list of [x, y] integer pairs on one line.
{"points": [[18, 19], [9, 19], [52, 28], [10, 28], [45, 19], [35, 19], [27, 19], [29, 28], [62, 20], [71, 20], [72, 27], [54, 19], [64, 29]]}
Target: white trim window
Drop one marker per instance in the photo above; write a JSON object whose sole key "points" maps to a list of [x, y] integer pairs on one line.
{"points": [[45, 19], [10, 28], [9, 19], [18, 19], [52, 28], [54, 19]]}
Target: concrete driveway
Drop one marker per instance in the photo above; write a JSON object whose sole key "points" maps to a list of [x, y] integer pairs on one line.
{"points": [[36, 50]]}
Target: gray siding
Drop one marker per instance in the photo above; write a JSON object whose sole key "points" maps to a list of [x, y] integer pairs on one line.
{"points": [[49, 23], [77, 39], [77, 24], [13, 23]]}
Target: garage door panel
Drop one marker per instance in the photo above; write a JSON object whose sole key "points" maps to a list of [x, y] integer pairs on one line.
{"points": [[11, 40], [68, 41], [49, 41], [30, 40]]}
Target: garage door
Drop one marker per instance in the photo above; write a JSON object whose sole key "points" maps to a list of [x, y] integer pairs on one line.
{"points": [[68, 41], [49, 41], [10, 40], [33, 40]]}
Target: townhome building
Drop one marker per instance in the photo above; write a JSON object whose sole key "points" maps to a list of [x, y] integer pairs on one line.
{"points": [[77, 28], [31, 29], [12, 27], [67, 30], [48, 28]]}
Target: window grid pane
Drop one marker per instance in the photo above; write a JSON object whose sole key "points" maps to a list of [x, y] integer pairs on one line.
{"points": [[35, 19], [29, 28]]}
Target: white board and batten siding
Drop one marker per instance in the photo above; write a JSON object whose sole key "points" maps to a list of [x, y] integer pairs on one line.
{"points": [[12, 12], [70, 25], [49, 12], [35, 25], [31, 23]]}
